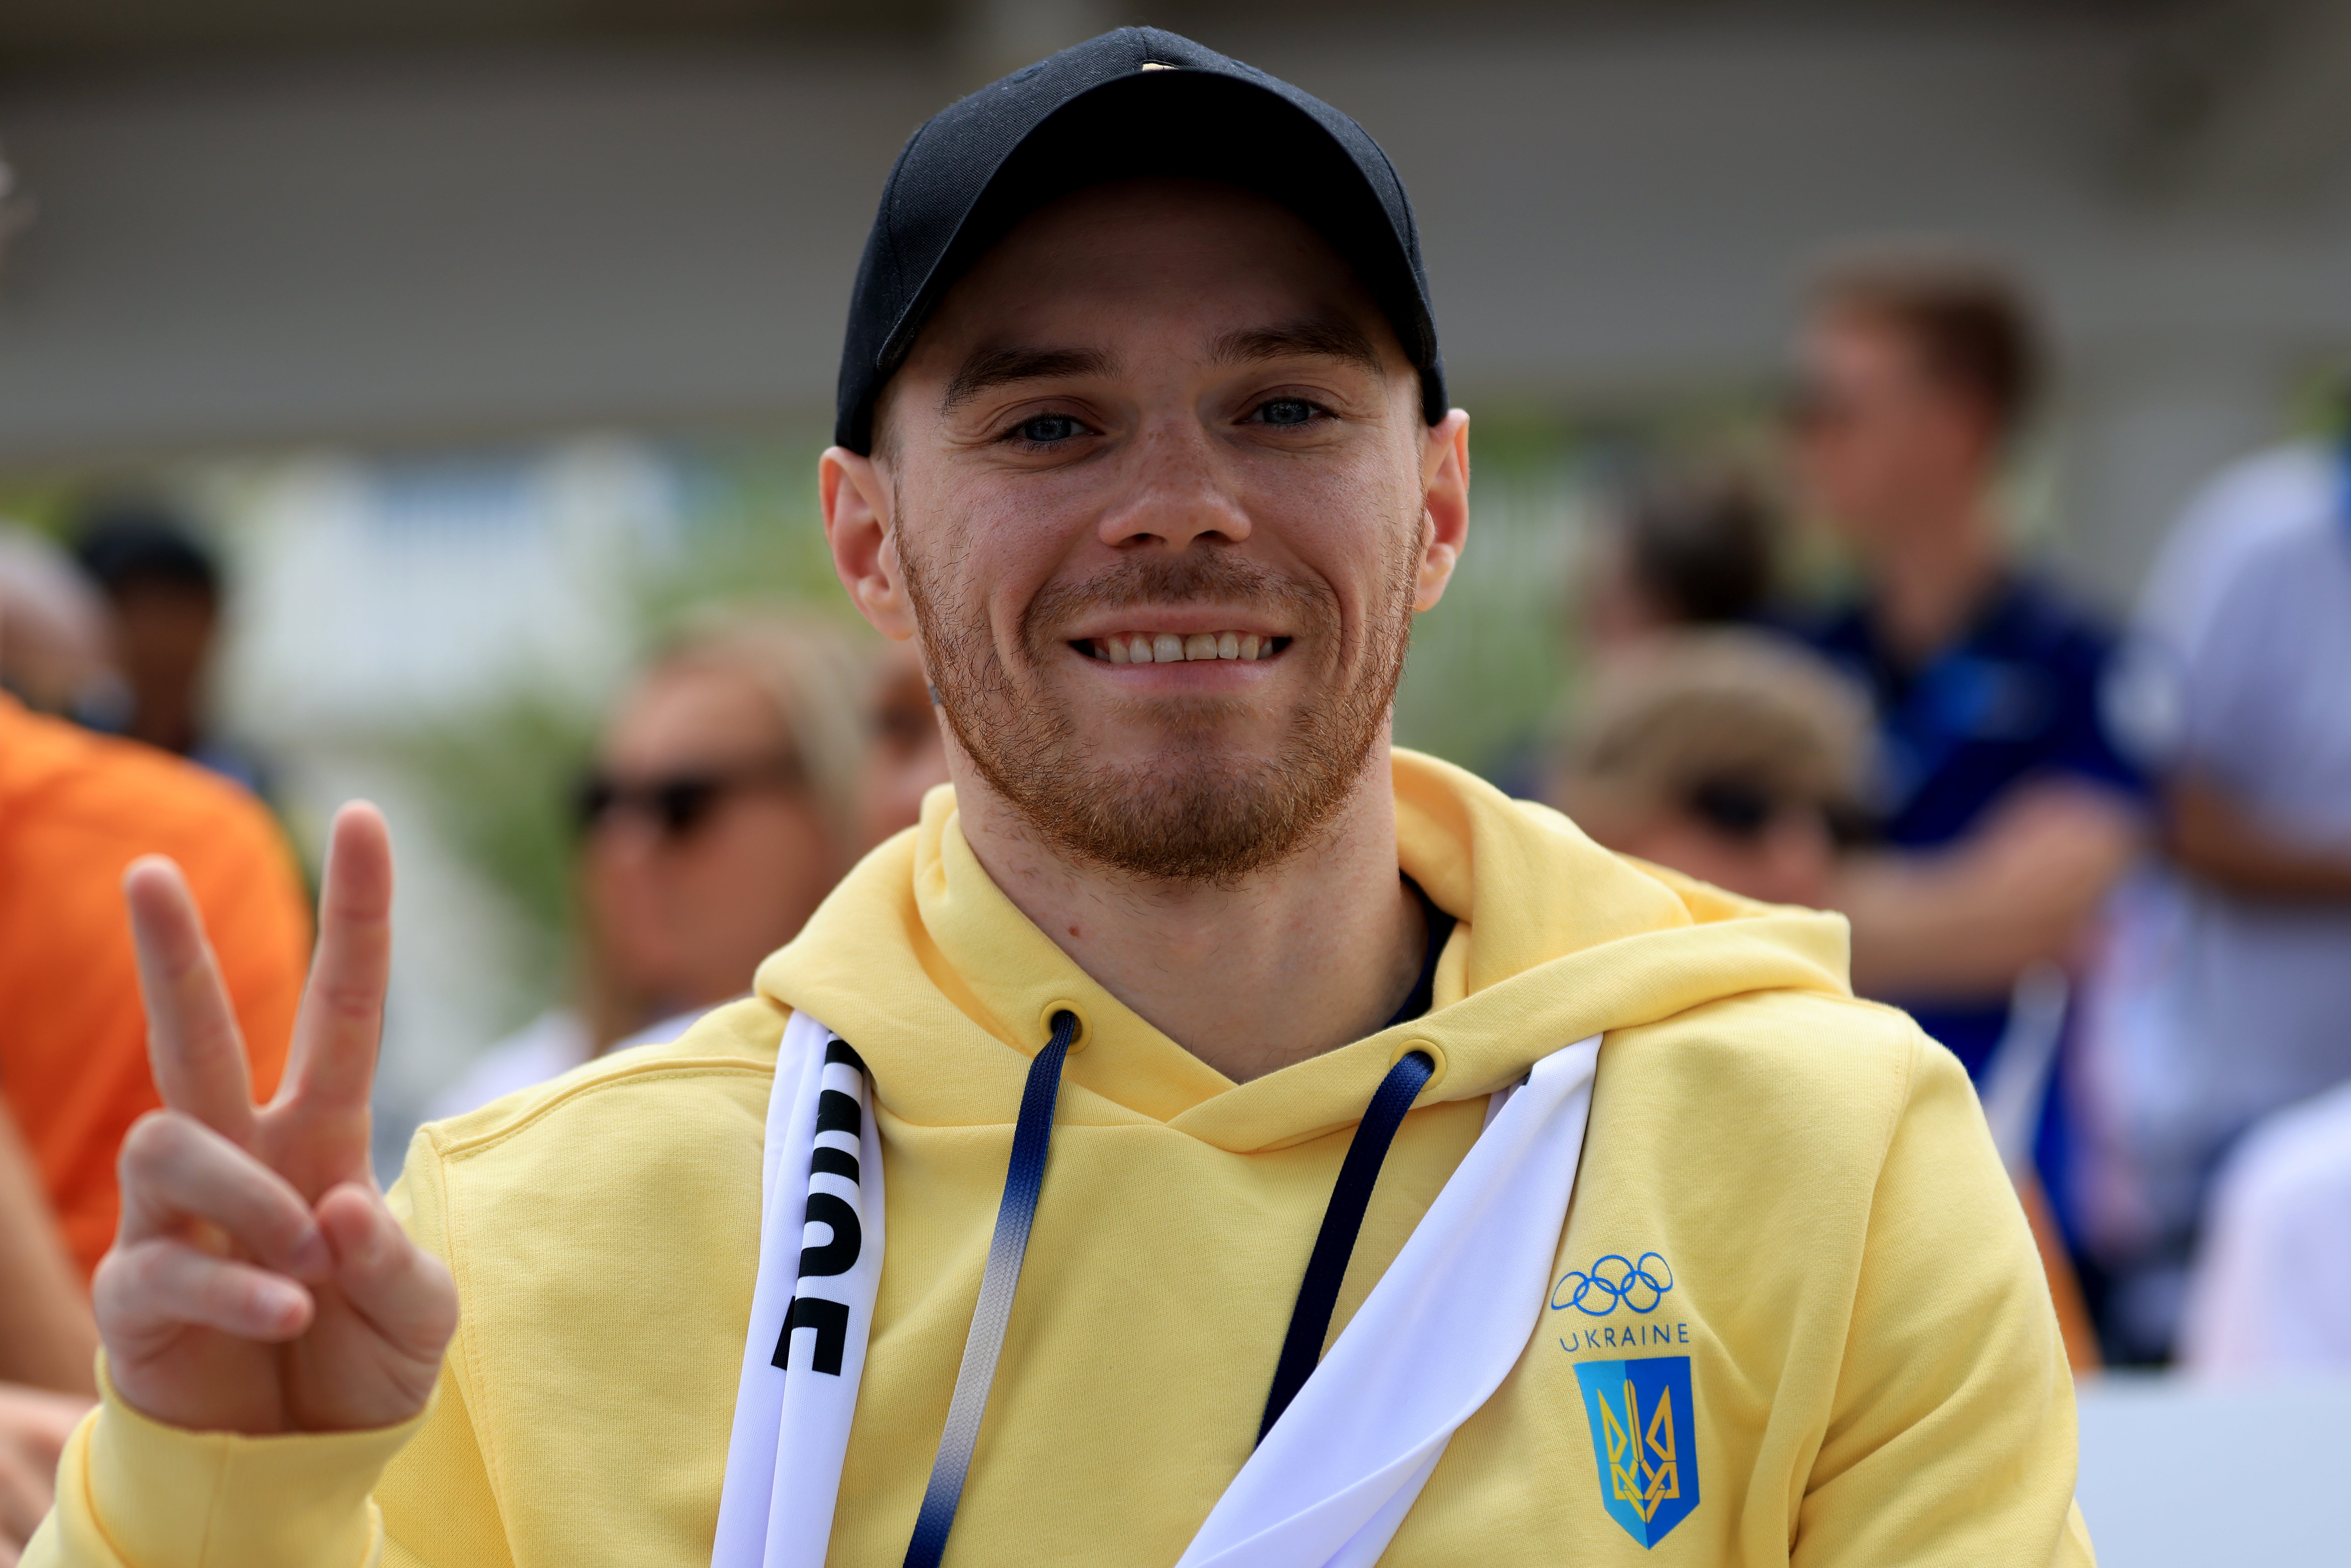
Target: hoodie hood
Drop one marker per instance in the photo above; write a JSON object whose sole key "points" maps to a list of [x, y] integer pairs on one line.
{"points": [[945, 988]]}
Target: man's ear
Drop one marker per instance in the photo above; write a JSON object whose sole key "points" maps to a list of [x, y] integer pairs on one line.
{"points": [[856, 497], [1444, 485]]}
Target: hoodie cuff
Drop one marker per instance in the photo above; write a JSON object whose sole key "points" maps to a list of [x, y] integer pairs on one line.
{"points": [[166, 1498]]}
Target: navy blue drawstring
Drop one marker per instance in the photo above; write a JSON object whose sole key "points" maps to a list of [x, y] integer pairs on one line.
{"points": [[1334, 1244], [1024, 1178]]}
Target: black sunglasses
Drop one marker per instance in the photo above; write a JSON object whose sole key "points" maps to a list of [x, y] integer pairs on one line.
{"points": [[1741, 809], [679, 803]]}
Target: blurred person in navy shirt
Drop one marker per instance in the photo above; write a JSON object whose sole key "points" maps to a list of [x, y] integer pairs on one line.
{"points": [[164, 590], [2006, 811], [1681, 550]]}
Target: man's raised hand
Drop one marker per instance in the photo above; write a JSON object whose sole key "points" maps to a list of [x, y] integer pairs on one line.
{"points": [[259, 1283]]}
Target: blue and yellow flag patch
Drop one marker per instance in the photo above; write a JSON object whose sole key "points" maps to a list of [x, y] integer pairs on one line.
{"points": [[1644, 1438]]}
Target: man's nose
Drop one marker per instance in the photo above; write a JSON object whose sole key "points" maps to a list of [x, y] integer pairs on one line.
{"points": [[1175, 492]]}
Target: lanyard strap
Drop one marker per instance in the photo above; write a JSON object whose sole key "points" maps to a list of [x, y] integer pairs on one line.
{"points": [[1334, 1244], [1023, 1180]]}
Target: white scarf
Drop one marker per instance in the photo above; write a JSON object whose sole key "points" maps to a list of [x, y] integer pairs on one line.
{"points": [[1331, 1483]]}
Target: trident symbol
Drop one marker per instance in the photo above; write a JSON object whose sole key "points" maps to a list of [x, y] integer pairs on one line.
{"points": [[1652, 1475]]}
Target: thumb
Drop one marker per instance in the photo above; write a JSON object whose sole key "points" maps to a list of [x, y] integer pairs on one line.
{"points": [[402, 1292]]}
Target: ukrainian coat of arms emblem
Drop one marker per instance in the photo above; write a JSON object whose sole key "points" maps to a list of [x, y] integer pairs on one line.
{"points": [[1643, 1439]]}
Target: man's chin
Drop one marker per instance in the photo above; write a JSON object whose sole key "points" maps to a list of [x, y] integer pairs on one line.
{"points": [[1195, 824]]}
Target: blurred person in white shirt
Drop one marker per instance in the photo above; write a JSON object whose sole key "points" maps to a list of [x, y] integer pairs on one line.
{"points": [[2271, 1293], [2226, 993], [731, 790]]}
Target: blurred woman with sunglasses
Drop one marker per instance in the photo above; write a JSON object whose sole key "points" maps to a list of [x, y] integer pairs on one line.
{"points": [[1742, 760], [1726, 755], [727, 798]]}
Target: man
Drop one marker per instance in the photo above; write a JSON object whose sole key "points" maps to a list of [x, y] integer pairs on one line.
{"points": [[2006, 806], [1157, 471], [165, 592], [2223, 997]]}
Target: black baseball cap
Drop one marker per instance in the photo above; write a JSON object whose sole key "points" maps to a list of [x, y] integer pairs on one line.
{"points": [[1130, 103]]}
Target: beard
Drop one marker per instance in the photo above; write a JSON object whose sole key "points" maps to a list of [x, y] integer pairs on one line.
{"points": [[1197, 812]]}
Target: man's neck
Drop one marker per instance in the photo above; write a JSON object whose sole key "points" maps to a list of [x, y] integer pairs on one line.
{"points": [[1289, 962], [1925, 591]]}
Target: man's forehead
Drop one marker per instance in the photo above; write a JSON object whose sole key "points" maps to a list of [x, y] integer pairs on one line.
{"points": [[1215, 262], [1329, 335]]}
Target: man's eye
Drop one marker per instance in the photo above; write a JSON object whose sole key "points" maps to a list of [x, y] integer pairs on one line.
{"points": [[1047, 428], [1286, 411]]}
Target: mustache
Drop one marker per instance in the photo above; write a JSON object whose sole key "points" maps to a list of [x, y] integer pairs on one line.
{"points": [[1193, 576]]}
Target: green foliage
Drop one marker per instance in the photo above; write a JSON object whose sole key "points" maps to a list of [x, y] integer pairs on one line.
{"points": [[1489, 664], [749, 531], [498, 783]]}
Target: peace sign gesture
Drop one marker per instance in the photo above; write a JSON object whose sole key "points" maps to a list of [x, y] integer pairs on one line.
{"points": [[257, 1282]]}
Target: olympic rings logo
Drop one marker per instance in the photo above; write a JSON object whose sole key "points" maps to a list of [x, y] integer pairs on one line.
{"points": [[1640, 1285]]}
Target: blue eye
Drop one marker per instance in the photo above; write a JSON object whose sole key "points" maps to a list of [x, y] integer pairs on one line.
{"points": [[1048, 428], [1286, 411]]}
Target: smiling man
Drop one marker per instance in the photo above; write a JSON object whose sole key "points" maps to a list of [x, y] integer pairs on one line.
{"points": [[1210, 1136]]}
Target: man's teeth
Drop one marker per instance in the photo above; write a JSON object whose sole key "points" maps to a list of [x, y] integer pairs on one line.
{"points": [[1167, 648]]}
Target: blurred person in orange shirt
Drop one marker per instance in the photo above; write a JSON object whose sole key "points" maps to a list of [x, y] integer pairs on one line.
{"points": [[56, 640], [76, 808], [48, 1342], [733, 785]]}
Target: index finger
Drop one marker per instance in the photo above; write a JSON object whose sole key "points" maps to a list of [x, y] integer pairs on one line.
{"points": [[192, 1043], [341, 1020]]}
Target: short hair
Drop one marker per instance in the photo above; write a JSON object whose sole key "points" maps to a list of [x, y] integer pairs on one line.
{"points": [[1701, 548], [1701, 707], [124, 543], [1969, 319]]}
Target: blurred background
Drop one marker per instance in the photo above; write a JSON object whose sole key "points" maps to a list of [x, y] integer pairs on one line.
{"points": [[481, 343]]}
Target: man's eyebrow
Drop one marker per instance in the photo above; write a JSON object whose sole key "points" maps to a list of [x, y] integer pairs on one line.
{"points": [[989, 367], [1334, 337]]}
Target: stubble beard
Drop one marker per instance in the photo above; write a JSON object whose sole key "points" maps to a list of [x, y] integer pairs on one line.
{"points": [[1196, 813]]}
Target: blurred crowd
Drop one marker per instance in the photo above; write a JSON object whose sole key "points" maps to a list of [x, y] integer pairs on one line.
{"points": [[2106, 862]]}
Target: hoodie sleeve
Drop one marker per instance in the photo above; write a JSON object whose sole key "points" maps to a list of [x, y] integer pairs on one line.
{"points": [[1951, 1440], [135, 1493]]}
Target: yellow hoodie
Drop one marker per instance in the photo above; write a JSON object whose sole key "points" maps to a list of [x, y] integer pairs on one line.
{"points": [[1805, 1181]]}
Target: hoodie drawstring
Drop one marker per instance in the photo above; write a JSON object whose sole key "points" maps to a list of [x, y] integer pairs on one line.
{"points": [[1024, 1179], [1334, 1244]]}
